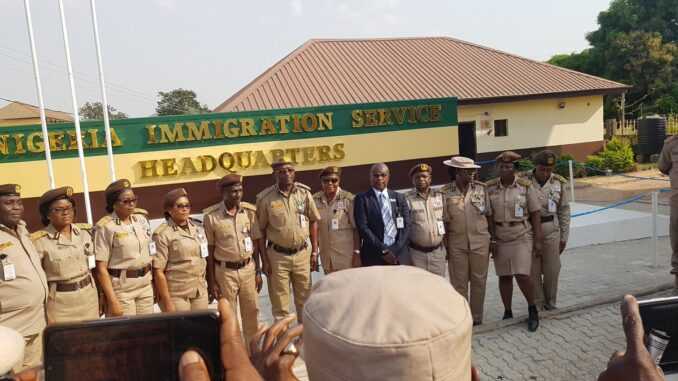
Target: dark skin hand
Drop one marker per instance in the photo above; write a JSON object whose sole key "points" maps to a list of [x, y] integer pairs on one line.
{"points": [[635, 364], [268, 358]]}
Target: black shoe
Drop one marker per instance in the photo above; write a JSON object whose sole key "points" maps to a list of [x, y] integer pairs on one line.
{"points": [[549, 307], [508, 314], [533, 318]]}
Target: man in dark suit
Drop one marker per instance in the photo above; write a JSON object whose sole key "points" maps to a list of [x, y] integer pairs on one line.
{"points": [[383, 220]]}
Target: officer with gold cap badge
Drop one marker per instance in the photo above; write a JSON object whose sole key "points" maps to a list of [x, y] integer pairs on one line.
{"points": [[23, 285], [67, 256], [555, 223], [338, 238], [427, 250], [233, 266], [467, 216], [124, 251], [287, 218], [516, 234], [179, 264]]}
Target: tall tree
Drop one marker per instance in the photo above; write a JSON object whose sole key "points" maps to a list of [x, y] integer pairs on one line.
{"points": [[636, 43], [179, 102], [95, 111]]}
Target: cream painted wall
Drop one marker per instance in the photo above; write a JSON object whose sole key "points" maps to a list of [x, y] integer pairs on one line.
{"points": [[538, 123]]}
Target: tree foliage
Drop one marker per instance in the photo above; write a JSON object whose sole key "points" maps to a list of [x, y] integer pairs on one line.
{"points": [[95, 111], [179, 102], [636, 43]]}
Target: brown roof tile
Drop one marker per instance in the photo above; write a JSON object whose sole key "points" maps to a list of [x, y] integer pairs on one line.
{"points": [[328, 72], [19, 110]]}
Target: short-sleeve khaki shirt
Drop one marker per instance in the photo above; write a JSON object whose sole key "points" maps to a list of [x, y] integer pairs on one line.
{"points": [[123, 246], [64, 259], [466, 216], [228, 233], [284, 218], [22, 300], [179, 254], [511, 207], [426, 213], [335, 238], [668, 160]]}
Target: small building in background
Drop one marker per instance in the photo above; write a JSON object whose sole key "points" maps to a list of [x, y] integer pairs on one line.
{"points": [[20, 114]]}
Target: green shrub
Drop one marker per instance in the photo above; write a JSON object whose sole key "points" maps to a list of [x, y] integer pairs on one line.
{"points": [[617, 156], [524, 165]]}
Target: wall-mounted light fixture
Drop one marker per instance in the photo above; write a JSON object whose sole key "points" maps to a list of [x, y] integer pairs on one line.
{"points": [[561, 105]]}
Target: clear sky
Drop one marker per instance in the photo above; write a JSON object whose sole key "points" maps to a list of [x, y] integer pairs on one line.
{"points": [[215, 47]]}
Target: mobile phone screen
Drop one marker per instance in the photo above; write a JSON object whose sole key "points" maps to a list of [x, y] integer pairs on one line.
{"points": [[661, 316], [135, 348]]}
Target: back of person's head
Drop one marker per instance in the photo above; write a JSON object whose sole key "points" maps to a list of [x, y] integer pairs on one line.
{"points": [[386, 323]]}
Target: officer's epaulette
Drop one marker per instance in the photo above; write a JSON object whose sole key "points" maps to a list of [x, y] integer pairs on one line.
{"points": [[346, 194], [492, 182], [143, 212], [559, 178], [38, 234], [447, 188], [479, 183], [104, 220], [160, 228], [247, 205], [83, 226], [211, 208], [196, 221], [317, 195], [266, 191], [302, 186], [524, 182]]}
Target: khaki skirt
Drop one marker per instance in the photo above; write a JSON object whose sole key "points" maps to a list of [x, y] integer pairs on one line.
{"points": [[514, 257]]}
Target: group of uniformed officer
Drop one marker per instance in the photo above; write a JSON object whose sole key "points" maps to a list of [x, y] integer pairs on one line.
{"points": [[68, 271]]}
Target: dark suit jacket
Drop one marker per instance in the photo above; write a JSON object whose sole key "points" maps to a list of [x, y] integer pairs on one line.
{"points": [[370, 225]]}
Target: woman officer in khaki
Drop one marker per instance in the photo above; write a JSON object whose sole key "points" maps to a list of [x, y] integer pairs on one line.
{"points": [[339, 240], [515, 229], [67, 256], [123, 249], [179, 266]]}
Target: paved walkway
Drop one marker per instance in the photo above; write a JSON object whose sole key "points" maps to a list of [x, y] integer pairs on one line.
{"points": [[570, 346]]}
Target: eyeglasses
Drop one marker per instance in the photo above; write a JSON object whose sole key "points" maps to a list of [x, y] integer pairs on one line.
{"points": [[128, 201], [331, 180], [67, 209], [182, 206]]}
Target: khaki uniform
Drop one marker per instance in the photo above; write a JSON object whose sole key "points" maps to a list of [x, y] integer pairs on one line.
{"points": [[511, 207], [427, 230], [668, 165], [234, 267], [68, 263], [284, 220], [22, 299], [555, 216], [181, 255], [336, 229], [468, 241], [127, 248]]}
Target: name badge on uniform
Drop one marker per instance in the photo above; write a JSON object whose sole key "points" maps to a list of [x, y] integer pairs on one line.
{"points": [[335, 224], [152, 249], [400, 223], [91, 262], [520, 212], [438, 202], [303, 221], [552, 206], [203, 250], [248, 244], [8, 271], [441, 227]]}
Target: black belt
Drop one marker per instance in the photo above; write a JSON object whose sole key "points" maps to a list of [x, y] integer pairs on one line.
{"points": [[546, 219], [75, 286], [511, 223], [234, 265], [285, 250], [138, 273], [425, 249]]}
